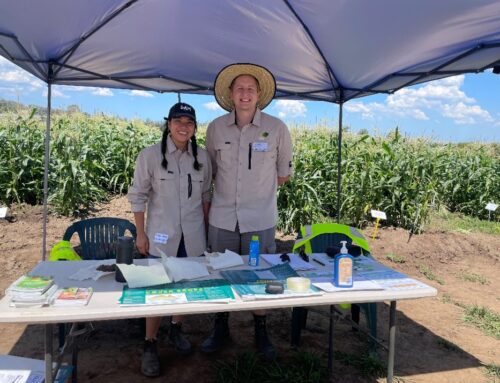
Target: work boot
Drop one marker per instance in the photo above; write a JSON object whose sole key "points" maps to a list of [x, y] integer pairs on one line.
{"points": [[219, 335], [264, 345], [177, 338], [150, 364]]}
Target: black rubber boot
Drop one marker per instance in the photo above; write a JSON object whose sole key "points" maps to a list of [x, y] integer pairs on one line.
{"points": [[177, 338], [264, 345], [219, 335], [150, 364]]}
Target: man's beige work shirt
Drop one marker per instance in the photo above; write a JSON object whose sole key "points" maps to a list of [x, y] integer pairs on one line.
{"points": [[246, 164], [171, 211]]}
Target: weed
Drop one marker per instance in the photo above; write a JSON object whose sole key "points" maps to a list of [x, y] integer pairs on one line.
{"points": [[428, 273], [492, 370], [300, 367], [473, 277], [395, 258], [484, 319], [368, 364]]}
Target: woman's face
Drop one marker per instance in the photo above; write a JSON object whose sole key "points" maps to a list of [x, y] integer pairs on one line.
{"points": [[181, 131]]}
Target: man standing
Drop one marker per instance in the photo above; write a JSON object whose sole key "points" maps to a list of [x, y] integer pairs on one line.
{"points": [[251, 155]]}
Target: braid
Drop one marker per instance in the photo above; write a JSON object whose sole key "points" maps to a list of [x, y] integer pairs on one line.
{"points": [[164, 162], [194, 148]]}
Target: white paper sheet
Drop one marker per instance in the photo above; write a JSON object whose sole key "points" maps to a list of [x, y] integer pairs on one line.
{"points": [[144, 276], [296, 262]]}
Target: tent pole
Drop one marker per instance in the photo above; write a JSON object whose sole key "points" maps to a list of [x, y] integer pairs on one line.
{"points": [[46, 167], [339, 159]]}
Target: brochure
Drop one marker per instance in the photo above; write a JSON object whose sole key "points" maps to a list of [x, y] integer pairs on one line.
{"points": [[72, 296], [31, 284], [213, 290]]}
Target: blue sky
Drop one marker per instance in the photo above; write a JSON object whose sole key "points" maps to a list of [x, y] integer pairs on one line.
{"points": [[457, 109]]}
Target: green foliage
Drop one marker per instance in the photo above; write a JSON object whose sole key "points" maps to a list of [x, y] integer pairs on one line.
{"points": [[94, 156], [493, 370], [473, 277], [90, 157], [368, 363], [429, 274], [301, 367], [396, 258], [484, 319]]}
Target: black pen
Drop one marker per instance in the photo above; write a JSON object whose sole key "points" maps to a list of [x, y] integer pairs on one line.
{"points": [[321, 263]]}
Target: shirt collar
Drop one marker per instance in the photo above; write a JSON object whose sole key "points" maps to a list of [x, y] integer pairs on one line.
{"points": [[171, 148], [231, 118]]}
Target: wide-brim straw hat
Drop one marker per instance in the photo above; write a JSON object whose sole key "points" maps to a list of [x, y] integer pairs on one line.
{"points": [[223, 81]]}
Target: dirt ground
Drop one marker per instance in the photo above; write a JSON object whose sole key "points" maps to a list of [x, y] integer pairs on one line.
{"points": [[433, 344]]}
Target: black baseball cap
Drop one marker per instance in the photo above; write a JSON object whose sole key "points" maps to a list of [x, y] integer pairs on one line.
{"points": [[181, 109]]}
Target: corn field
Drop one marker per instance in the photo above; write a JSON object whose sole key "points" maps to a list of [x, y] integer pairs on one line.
{"points": [[93, 158]]}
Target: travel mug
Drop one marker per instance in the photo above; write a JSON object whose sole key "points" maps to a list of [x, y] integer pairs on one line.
{"points": [[124, 254]]}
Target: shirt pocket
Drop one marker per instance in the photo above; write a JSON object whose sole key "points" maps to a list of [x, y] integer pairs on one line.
{"points": [[195, 184], [264, 159], [165, 183], [224, 153]]}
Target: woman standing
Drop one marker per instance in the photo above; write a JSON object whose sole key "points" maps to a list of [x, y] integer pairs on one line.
{"points": [[172, 181]]}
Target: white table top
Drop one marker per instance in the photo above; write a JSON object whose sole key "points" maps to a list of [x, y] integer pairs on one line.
{"points": [[104, 302]]}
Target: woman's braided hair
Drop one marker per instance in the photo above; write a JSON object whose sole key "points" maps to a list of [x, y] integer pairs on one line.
{"points": [[174, 112]]}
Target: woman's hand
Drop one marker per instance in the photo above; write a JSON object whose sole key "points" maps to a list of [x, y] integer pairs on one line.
{"points": [[142, 243]]}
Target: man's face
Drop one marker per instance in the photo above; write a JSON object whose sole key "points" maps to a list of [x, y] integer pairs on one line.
{"points": [[245, 93]]}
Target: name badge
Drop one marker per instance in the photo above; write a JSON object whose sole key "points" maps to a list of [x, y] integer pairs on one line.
{"points": [[161, 238], [259, 146]]}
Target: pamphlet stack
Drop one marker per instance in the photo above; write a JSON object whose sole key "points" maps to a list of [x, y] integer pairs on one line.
{"points": [[31, 291]]}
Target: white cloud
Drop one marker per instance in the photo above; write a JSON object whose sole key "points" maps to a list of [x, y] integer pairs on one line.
{"points": [[140, 93], [56, 92], [290, 108], [102, 92], [443, 96], [213, 106]]}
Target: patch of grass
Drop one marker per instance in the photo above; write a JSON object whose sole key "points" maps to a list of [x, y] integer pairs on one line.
{"points": [[248, 368], [492, 370], [462, 223], [484, 319], [368, 364], [473, 277], [447, 345], [446, 298], [396, 258], [427, 272]]}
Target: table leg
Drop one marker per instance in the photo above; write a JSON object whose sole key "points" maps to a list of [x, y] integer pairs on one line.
{"points": [[48, 352], [392, 341], [330, 342]]}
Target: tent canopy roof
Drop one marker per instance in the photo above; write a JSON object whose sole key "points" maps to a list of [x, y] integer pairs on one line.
{"points": [[330, 50]]}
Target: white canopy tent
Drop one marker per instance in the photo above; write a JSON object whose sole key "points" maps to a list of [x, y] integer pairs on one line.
{"points": [[329, 50]]}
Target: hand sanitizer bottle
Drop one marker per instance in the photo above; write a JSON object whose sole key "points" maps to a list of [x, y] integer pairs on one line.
{"points": [[343, 268], [254, 253]]}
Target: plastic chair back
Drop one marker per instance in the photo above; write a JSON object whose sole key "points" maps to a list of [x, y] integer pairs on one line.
{"points": [[99, 236]]}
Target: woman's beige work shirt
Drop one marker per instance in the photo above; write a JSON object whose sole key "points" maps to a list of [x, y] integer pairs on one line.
{"points": [[173, 198]]}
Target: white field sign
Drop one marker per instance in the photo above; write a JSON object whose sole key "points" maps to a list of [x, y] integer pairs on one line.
{"points": [[3, 212], [378, 214], [491, 206]]}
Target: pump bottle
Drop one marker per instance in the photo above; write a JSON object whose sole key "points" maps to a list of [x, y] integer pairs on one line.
{"points": [[343, 268]]}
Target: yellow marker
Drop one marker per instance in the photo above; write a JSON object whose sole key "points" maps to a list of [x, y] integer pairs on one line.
{"points": [[376, 228]]}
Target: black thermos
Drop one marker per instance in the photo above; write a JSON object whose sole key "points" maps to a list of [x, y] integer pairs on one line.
{"points": [[124, 254]]}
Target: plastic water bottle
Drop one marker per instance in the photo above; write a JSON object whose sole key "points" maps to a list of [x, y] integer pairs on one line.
{"points": [[254, 253]]}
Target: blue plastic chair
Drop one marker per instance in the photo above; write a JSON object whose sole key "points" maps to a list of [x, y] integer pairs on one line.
{"points": [[99, 236], [318, 244]]}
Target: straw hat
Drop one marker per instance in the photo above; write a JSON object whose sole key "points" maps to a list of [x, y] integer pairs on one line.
{"points": [[226, 76]]}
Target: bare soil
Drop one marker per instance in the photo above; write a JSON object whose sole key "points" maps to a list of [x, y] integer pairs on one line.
{"points": [[433, 344]]}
